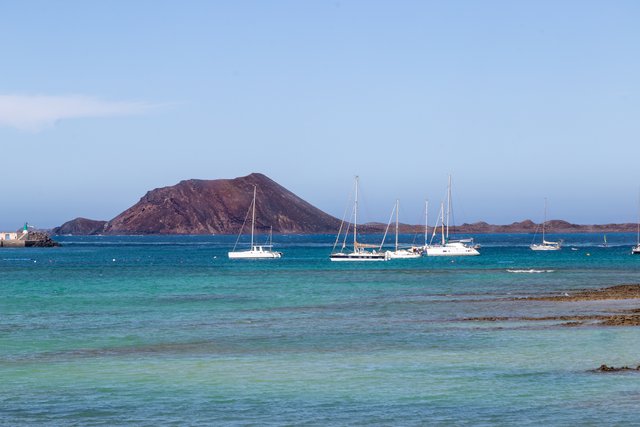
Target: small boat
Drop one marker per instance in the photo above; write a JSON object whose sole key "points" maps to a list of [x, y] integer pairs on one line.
{"points": [[447, 247], [404, 253], [359, 251], [256, 251], [604, 242], [546, 245]]}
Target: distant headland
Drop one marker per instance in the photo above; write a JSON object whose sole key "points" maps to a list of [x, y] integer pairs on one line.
{"points": [[212, 207], [220, 207]]}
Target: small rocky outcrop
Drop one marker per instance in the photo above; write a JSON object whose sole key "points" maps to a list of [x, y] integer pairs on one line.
{"points": [[605, 368], [80, 226], [40, 239]]}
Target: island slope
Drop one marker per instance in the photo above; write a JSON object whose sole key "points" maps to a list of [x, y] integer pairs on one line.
{"points": [[220, 206]]}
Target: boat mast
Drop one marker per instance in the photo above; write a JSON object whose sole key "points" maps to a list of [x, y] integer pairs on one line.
{"points": [[253, 215], [355, 218], [397, 209], [545, 219], [638, 238], [442, 224], [448, 206], [426, 220]]}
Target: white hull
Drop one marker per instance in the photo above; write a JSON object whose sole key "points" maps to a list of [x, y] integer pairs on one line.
{"points": [[403, 254], [451, 249], [257, 252], [544, 247], [635, 250], [359, 256], [547, 246]]}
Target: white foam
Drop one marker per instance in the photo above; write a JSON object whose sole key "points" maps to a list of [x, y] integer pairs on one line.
{"points": [[530, 271]]}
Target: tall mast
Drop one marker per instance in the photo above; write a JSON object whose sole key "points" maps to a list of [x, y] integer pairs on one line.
{"points": [[448, 205], [426, 220], [355, 218], [545, 218], [253, 215], [442, 216], [397, 213], [638, 239]]}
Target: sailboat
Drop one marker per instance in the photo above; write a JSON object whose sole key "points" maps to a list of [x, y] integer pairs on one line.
{"points": [[359, 251], [636, 249], [402, 253], [604, 241], [449, 247], [546, 245], [256, 251]]}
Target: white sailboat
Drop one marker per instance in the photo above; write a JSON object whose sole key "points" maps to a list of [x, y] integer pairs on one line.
{"points": [[255, 251], [636, 249], [359, 251], [546, 245], [399, 253], [449, 247]]}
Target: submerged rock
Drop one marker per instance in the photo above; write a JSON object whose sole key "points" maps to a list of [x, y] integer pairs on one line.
{"points": [[605, 368]]}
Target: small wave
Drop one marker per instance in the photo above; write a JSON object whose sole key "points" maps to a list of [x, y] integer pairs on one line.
{"points": [[530, 271]]}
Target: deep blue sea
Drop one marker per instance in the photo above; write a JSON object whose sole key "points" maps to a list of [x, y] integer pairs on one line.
{"points": [[165, 330]]}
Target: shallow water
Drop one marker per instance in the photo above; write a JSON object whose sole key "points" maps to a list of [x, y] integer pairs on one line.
{"points": [[166, 330]]}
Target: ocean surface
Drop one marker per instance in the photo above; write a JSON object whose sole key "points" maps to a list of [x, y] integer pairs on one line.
{"points": [[165, 330]]}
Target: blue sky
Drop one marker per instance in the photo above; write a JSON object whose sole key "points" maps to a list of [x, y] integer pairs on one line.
{"points": [[518, 100]]}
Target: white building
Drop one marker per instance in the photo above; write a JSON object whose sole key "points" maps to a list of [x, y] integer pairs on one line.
{"points": [[9, 236]]}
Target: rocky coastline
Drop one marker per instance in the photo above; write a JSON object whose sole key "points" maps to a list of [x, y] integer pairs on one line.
{"points": [[613, 316]]}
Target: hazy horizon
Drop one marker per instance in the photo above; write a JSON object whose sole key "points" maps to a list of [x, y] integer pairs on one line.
{"points": [[102, 102]]}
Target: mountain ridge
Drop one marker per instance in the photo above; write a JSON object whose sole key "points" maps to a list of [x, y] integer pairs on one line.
{"points": [[220, 206]]}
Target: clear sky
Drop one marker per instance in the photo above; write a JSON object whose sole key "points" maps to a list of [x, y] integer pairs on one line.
{"points": [[518, 100]]}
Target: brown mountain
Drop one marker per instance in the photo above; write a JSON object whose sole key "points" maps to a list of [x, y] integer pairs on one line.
{"points": [[220, 206], [81, 226]]}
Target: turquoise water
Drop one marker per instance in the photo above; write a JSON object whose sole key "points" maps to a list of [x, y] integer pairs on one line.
{"points": [[166, 330]]}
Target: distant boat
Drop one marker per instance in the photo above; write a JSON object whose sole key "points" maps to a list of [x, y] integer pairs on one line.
{"points": [[604, 242], [256, 251], [359, 251], [398, 253], [463, 247], [546, 245]]}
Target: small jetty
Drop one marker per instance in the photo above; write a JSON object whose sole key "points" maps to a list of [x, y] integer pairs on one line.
{"points": [[26, 239]]}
